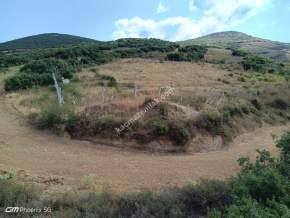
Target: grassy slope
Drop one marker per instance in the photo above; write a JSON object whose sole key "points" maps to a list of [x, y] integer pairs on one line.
{"points": [[276, 50], [48, 40]]}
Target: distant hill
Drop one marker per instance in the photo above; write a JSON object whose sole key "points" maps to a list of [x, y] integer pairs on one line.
{"points": [[47, 40], [232, 39]]}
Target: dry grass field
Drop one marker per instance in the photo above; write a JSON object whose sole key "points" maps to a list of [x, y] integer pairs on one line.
{"points": [[188, 79], [198, 88]]}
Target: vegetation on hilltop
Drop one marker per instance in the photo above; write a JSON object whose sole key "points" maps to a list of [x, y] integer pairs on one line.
{"points": [[237, 40], [48, 40]]}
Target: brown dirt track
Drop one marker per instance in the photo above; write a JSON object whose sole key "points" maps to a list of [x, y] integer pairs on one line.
{"points": [[63, 163]]}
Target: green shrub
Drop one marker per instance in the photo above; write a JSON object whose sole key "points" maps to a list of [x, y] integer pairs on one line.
{"points": [[239, 52], [49, 66], [111, 81], [160, 128], [231, 111], [280, 104], [26, 81], [284, 145], [39, 73], [87, 125], [257, 104], [210, 121], [174, 57], [163, 109], [188, 53], [205, 196], [15, 195], [179, 134], [51, 117]]}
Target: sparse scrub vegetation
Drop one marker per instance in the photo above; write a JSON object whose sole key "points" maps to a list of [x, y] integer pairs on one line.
{"points": [[110, 81], [224, 120]]}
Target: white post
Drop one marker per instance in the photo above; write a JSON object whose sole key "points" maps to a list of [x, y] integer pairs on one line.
{"points": [[58, 90]]}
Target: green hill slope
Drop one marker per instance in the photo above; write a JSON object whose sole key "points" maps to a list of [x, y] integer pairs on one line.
{"points": [[231, 39], [47, 40]]}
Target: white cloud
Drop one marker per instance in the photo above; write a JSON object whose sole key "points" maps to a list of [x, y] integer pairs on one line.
{"points": [[192, 6], [161, 8], [219, 15]]}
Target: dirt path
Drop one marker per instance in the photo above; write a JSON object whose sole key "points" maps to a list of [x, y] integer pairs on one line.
{"points": [[64, 162]]}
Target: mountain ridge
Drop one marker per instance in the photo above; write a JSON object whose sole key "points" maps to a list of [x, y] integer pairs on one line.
{"points": [[45, 40], [237, 40], [226, 40]]}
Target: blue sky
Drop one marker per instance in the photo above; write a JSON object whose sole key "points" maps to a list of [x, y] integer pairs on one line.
{"points": [[166, 19]]}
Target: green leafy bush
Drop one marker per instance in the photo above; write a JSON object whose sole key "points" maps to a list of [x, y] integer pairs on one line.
{"points": [[210, 121], [239, 52], [49, 66], [26, 81], [284, 145], [160, 128], [280, 104], [51, 117], [188, 53], [111, 81], [179, 134], [39, 73]]}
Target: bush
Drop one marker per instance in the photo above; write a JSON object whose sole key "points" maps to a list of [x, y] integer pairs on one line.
{"points": [[51, 117], [257, 104], [160, 128], [49, 66], [284, 145], [87, 125], [111, 81], [205, 196], [26, 81], [15, 195], [280, 104], [179, 134], [163, 109], [39, 73], [188, 53], [239, 52], [210, 121]]}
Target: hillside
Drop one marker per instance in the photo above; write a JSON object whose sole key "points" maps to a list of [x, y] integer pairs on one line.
{"points": [[144, 114], [231, 39], [47, 40]]}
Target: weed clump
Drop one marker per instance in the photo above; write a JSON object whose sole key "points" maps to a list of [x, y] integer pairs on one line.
{"points": [[179, 134], [280, 104]]}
